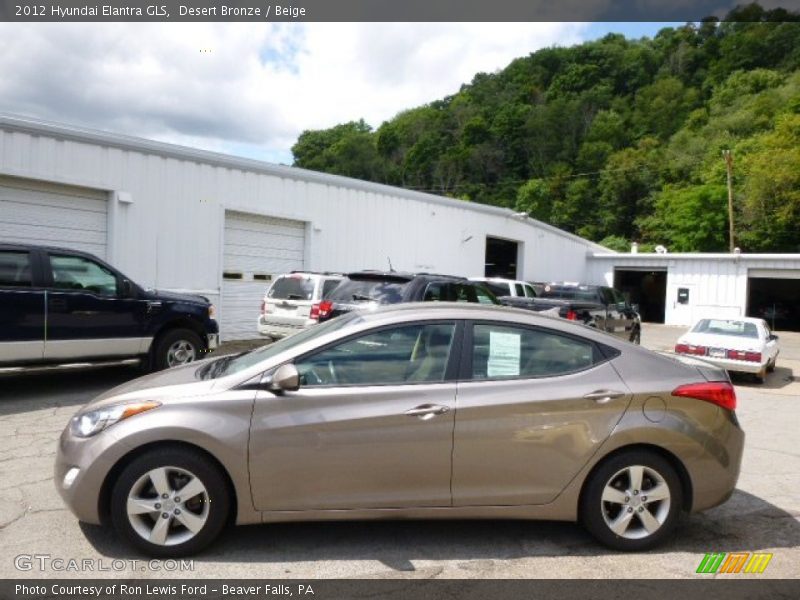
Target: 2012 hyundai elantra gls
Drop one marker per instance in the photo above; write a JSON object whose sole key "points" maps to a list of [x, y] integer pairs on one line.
{"points": [[414, 411]]}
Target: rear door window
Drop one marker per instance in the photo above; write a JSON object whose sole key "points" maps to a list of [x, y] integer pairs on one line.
{"points": [[508, 352], [15, 269]]}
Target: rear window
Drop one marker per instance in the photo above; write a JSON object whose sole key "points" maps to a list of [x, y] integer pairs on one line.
{"points": [[723, 327], [458, 292], [293, 287], [15, 269], [498, 289], [569, 293], [369, 290]]}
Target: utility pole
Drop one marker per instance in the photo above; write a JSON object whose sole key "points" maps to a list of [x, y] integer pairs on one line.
{"points": [[726, 154]]}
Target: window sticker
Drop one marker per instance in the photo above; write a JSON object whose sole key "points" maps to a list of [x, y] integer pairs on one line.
{"points": [[504, 354]]}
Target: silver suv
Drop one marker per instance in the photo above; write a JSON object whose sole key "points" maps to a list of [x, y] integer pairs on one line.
{"points": [[292, 302]]}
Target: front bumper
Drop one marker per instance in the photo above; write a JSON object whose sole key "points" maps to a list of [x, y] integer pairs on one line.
{"points": [[87, 461]]}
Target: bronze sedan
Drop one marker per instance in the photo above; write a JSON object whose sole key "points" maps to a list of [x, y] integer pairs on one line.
{"points": [[420, 410]]}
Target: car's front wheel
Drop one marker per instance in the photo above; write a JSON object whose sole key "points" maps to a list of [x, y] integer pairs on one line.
{"points": [[170, 502], [632, 501]]}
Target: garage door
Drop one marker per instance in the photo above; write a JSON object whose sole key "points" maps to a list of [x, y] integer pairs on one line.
{"points": [[256, 248], [772, 295], [53, 215]]}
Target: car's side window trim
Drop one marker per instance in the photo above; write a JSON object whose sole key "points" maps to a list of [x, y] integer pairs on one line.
{"points": [[467, 354], [450, 373]]}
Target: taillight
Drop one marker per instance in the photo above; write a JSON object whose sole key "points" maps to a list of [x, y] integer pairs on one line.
{"points": [[572, 315], [720, 393], [741, 355], [314, 314], [689, 349], [324, 308]]}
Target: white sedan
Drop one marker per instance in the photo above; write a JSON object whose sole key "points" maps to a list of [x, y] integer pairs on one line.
{"points": [[743, 345]]}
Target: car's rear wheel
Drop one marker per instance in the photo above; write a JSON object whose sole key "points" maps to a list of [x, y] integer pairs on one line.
{"points": [[632, 501], [636, 336], [177, 347], [170, 502], [771, 365]]}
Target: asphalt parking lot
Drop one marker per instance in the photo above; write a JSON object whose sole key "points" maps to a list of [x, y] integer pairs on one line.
{"points": [[761, 516]]}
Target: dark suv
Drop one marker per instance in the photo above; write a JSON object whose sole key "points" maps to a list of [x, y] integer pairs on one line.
{"points": [[372, 288], [60, 306]]}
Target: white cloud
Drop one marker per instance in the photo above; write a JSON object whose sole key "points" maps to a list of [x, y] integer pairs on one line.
{"points": [[248, 88]]}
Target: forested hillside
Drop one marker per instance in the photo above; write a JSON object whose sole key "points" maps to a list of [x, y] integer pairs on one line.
{"points": [[616, 140]]}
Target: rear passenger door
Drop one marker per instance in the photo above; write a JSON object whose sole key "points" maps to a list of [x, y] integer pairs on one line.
{"points": [[532, 407], [21, 306]]}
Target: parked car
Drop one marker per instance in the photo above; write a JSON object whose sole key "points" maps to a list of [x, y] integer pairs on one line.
{"points": [[356, 418], [507, 287], [594, 305], [292, 302], [375, 288], [60, 306], [744, 345]]}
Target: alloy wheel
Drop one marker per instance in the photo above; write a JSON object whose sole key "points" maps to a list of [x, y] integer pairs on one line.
{"points": [[168, 506], [636, 502], [180, 353]]}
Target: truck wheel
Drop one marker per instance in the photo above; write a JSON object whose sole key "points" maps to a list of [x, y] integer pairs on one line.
{"points": [[177, 347]]}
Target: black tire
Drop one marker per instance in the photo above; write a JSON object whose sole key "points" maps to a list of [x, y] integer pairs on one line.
{"points": [[166, 341], [636, 336], [771, 365], [216, 507], [594, 511]]}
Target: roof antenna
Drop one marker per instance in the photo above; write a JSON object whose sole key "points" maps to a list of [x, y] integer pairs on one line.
{"points": [[391, 268]]}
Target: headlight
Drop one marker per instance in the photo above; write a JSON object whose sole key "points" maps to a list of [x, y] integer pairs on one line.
{"points": [[212, 311], [90, 423]]}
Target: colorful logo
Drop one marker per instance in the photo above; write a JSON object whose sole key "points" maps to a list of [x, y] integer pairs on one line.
{"points": [[734, 562]]}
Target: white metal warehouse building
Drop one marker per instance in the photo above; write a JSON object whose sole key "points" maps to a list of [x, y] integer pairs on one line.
{"points": [[181, 219], [176, 218]]}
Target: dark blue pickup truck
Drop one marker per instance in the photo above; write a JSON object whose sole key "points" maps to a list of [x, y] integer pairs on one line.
{"points": [[61, 306]]}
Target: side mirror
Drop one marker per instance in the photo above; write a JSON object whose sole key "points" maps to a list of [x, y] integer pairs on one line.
{"points": [[284, 379], [773, 337], [126, 288]]}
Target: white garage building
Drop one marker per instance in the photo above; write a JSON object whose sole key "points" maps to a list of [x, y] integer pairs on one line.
{"points": [[182, 219]]}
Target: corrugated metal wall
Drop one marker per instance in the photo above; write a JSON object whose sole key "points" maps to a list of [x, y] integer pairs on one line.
{"points": [[717, 284], [170, 233]]}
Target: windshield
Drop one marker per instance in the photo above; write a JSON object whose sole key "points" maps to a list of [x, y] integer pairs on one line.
{"points": [[293, 287], [722, 327], [365, 290], [227, 365]]}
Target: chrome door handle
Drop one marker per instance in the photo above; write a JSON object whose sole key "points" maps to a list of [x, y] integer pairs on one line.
{"points": [[603, 396], [427, 411]]}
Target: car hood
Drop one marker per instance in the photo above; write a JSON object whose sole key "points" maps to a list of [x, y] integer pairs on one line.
{"points": [[177, 382], [175, 297], [729, 342]]}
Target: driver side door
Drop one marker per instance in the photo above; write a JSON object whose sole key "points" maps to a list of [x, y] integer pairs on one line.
{"points": [[370, 427]]}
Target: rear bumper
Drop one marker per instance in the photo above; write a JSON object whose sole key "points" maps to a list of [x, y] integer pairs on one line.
{"points": [[737, 366], [276, 329]]}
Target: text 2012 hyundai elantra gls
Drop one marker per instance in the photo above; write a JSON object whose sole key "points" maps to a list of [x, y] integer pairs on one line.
{"points": [[414, 411]]}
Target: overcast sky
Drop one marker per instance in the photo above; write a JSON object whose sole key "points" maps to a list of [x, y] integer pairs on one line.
{"points": [[250, 89]]}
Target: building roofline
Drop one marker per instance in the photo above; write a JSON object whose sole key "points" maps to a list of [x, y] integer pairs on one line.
{"points": [[126, 142], [693, 256]]}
